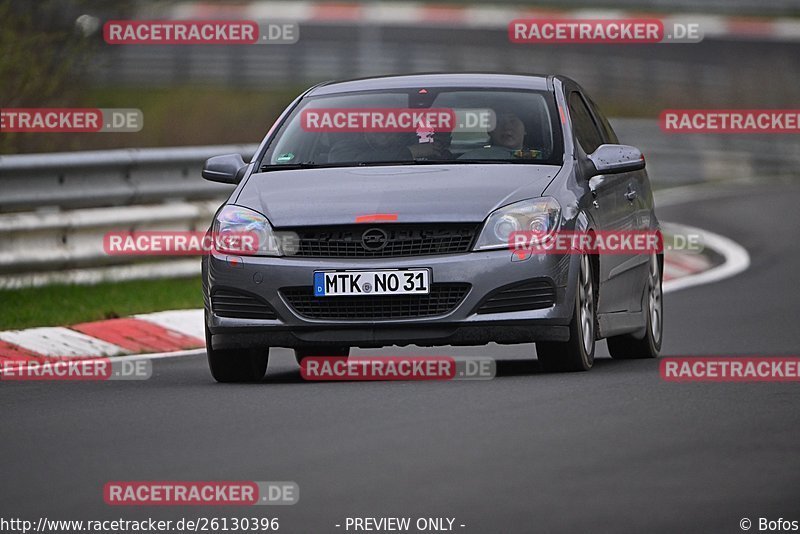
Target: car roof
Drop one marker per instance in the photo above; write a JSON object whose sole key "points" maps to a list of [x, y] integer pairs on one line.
{"points": [[414, 81]]}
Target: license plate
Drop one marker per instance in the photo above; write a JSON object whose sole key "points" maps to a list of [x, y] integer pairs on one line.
{"points": [[383, 282]]}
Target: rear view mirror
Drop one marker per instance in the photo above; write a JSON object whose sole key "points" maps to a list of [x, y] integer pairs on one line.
{"points": [[609, 159], [227, 169]]}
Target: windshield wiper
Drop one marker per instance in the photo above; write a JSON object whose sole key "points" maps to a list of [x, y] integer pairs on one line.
{"points": [[312, 165], [289, 166], [445, 162]]}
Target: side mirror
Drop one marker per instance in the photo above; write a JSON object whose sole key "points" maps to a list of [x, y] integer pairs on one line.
{"points": [[227, 169], [609, 159]]}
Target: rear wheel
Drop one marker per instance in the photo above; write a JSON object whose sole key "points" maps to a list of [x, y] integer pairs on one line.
{"points": [[236, 365], [627, 347], [577, 354], [320, 350]]}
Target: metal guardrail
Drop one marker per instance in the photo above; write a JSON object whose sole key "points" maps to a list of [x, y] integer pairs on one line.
{"points": [[55, 208], [109, 177], [39, 248]]}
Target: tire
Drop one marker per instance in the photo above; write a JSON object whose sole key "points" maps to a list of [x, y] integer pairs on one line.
{"points": [[236, 365], [627, 347], [320, 350], [577, 354]]}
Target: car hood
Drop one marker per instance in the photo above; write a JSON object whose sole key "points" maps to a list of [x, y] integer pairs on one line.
{"points": [[436, 193]]}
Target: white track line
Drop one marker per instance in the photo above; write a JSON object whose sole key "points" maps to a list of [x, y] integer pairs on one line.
{"points": [[162, 355], [736, 257]]}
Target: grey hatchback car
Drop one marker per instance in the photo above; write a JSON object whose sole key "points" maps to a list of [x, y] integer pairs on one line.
{"points": [[376, 232]]}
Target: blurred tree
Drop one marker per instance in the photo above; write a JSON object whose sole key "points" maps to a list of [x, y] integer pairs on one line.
{"points": [[45, 46]]}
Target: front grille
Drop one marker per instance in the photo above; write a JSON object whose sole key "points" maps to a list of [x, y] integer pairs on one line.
{"points": [[443, 298], [530, 295], [240, 305], [388, 240]]}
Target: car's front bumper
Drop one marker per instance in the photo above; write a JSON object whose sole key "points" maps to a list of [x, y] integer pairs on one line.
{"points": [[485, 271]]}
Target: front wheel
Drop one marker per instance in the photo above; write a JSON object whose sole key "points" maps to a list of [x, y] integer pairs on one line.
{"points": [[577, 354], [236, 365], [627, 347]]}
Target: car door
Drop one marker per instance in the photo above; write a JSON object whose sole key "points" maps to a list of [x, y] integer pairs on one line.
{"points": [[610, 209], [639, 200]]}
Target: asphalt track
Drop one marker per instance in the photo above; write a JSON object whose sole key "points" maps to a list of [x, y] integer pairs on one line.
{"points": [[613, 450]]}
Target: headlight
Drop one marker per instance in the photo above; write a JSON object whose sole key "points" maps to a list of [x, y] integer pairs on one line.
{"points": [[233, 222], [540, 215]]}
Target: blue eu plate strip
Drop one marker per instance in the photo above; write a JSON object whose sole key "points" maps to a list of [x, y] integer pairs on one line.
{"points": [[319, 284]]}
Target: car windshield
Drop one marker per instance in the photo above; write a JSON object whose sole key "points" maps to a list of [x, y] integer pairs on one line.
{"points": [[419, 126]]}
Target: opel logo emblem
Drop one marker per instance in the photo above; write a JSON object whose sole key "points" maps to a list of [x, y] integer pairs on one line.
{"points": [[374, 239]]}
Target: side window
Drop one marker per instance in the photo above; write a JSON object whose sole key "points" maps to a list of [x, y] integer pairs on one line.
{"points": [[608, 132], [582, 122]]}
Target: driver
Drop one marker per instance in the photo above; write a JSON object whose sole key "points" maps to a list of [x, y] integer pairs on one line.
{"points": [[505, 140]]}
